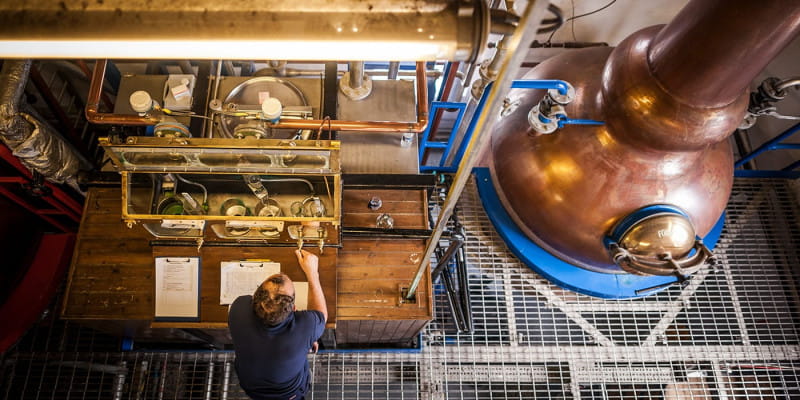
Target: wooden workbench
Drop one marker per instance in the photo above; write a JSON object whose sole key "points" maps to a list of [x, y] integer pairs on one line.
{"points": [[111, 279]]}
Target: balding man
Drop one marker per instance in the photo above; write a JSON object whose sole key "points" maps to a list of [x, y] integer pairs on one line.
{"points": [[271, 338]]}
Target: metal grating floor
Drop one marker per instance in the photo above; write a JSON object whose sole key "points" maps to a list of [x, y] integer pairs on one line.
{"points": [[729, 334]]}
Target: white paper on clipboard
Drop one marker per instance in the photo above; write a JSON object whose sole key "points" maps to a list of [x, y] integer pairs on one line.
{"points": [[240, 278], [177, 287]]}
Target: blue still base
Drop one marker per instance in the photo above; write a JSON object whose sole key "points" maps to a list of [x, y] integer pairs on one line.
{"points": [[563, 274]]}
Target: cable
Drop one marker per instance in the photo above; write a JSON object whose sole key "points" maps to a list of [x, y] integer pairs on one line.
{"points": [[205, 192], [579, 16], [552, 24]]}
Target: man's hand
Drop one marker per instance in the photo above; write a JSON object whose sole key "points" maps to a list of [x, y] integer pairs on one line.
{"points": [[309, 262]]}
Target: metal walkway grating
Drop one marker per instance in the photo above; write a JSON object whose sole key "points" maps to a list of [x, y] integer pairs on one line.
{"points": [[728, 334]]}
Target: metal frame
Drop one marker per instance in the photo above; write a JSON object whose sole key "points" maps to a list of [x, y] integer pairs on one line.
{"points": [[512, 60], [425, 141], [61, 203], [775, 143]]}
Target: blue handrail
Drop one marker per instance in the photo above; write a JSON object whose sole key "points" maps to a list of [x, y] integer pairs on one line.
{"points": [[774, 144], [424, 143]]}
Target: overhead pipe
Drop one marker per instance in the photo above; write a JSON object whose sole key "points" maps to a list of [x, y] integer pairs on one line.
{"points": [[96, 87], [33, 142], [394, 68], [265, 29]]}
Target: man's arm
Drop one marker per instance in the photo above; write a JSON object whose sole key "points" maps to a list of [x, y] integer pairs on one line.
{"points": [[310, 264]]}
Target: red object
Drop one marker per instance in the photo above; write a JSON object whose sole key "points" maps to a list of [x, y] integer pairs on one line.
{"points": [[61, 202], [36, 290]]}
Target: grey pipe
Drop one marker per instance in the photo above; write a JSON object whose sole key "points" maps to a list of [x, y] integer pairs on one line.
{"points": [[356, 74], [205, 192], [228, 67], [12, 87], [186, 67], [394, 68], [226, 378], [34, 142], [787, 83], [210, 381]]}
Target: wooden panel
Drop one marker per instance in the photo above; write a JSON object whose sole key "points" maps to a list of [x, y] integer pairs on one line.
{"points": [[359, 332], [112, 271], [107, 254], [408, 208], [212, 311], [371, 273]]}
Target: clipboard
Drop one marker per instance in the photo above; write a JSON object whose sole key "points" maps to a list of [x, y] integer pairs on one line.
{"points": [[241, 278], [177, 289]]}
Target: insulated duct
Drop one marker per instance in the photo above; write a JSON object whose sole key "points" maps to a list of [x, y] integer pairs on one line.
{"points": [[34, 142]]}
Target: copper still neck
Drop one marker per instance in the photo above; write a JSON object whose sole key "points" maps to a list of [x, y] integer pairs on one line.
{"points": [[711, 51], [683, 87]]}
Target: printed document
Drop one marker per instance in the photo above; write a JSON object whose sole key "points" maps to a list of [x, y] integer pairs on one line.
{"points": [[177, 289]]}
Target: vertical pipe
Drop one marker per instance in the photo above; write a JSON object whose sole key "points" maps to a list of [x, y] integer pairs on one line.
{"points": [[210, 380], [510, 65], [119, 381], [356, 74], [330, 91], [226, 380], [230, 70], [186, 67], [394, 69]]}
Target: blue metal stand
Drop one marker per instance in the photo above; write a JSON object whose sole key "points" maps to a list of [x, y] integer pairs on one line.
{"points": [[563, 274]]}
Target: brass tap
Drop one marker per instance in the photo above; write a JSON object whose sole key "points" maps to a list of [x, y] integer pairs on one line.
{"points": [[300, 238]]}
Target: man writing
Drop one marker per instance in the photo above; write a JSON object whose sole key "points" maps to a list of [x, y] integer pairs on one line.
{"points": [[271, 338]]}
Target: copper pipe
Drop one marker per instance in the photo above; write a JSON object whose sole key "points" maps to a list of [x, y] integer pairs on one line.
{"points": [[95, 89], [86, 71], [695, 59], [448, 86], [93, 114]]}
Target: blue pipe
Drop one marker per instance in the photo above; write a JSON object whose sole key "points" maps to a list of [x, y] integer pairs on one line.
{"points": [[471, 128], [791, 167], [568, 121], [407, 66], [562, 86], [423, 141], [462, 107], [768, 145], [446, 74], [785, 146]]}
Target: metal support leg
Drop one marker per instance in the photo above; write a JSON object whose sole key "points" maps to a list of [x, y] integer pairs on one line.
{"points": [[119, 381], [226, 380]]}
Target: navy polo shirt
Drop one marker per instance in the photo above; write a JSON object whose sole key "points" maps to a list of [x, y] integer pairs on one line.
{"points": [[271, 360]]}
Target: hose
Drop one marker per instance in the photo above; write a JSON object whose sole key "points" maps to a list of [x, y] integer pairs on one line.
{"points": [[205, 192]]}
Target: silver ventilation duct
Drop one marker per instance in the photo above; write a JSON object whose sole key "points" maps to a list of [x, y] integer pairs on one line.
{"points": [[34, 142]]}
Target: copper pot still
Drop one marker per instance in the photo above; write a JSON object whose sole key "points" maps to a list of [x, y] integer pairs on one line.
{"points": [[670, 97]]}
